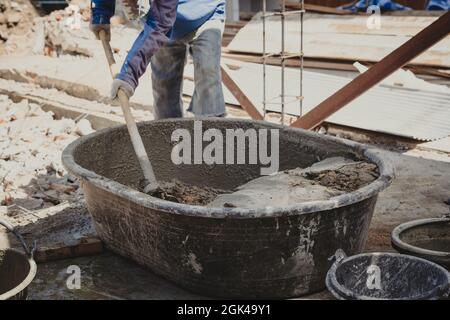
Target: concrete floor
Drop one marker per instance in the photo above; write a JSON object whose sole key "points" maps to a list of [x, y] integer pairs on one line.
{"points": [[419, 191]]}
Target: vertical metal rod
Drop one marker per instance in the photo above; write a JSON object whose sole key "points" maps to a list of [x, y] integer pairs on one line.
{"points": [[283, 60], [302, 8], [264, 58]]}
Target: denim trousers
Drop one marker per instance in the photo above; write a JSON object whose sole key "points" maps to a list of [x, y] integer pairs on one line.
{"points": [[204, 45]]}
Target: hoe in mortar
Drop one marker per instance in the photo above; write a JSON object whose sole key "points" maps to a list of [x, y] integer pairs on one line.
{"points": [[149, 183]]}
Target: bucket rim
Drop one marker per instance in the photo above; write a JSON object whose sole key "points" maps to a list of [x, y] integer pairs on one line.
{"points": [[385, 167], [342, 293], [26, 281], [399, 244]]}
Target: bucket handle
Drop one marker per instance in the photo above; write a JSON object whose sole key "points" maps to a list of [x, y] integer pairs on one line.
{"points": [[10, 228]]}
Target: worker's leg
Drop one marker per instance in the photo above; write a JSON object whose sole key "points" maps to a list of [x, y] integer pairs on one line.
{"points": [[205, 48], [167, 80]]}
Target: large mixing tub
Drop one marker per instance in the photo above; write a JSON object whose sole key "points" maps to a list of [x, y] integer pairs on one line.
{"points": [[227, 252]]}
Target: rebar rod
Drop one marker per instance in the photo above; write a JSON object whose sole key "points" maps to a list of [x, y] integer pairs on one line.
{"points": [[264, 57], [283, 60], [302, 8]]}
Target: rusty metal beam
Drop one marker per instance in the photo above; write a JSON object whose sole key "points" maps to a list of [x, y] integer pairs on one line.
{"points": [[392, 62], [240, 96]]}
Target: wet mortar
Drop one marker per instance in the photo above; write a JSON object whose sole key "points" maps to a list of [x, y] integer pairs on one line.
{"points": [[179, 192], [346, 177]]}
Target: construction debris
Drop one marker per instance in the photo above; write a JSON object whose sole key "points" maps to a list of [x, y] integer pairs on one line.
{"points": [[31, 141], [16, 20], [59, 26]]}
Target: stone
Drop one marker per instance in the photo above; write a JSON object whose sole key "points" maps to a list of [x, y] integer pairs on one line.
{"points": [[13, 18], [63, 188], [83, 127], [3, 19], [59, 127], [39, 39], [18, 111], [30, 203]]}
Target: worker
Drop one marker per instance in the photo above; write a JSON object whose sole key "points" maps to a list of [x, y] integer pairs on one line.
{"points": [[172, 29]]}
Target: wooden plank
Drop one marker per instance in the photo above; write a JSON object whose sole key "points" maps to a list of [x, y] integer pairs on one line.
{"points": [[85, 247], [240, 96], [308, 62], [316, 8], [341, 38]]}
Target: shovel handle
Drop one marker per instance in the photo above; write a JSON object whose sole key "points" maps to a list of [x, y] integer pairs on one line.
{"points": [[108, 53], [136, 139]]}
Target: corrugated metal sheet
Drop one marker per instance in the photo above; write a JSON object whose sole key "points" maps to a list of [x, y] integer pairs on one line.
{"points": [[422, 115]]}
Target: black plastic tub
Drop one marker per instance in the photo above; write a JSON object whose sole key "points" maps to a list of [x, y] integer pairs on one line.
{"points": [[276, 252], [17, 269], [400, 277], [425, 238]]}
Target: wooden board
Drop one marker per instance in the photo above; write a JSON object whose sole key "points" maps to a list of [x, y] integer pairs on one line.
{"points": [[421, 114], [340, 37]]}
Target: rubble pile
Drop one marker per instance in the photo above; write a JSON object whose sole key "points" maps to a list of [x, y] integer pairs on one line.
{"points": [[31, 142], [24, 31], [16, 19], [59, 32]]}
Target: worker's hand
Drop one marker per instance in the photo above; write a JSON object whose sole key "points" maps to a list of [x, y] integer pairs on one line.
{"points": [[96, 28], [121, 85]]}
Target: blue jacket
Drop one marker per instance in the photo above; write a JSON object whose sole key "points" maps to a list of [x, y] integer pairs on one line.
{"points": [[166, 20]]}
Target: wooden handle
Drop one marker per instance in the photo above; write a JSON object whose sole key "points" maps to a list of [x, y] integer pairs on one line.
{"points": [[136, 139], [109, 54]]}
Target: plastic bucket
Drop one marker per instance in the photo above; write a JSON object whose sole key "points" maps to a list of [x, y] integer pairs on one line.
{"points": [[386, 276], [17, 270], [425, 238]]}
